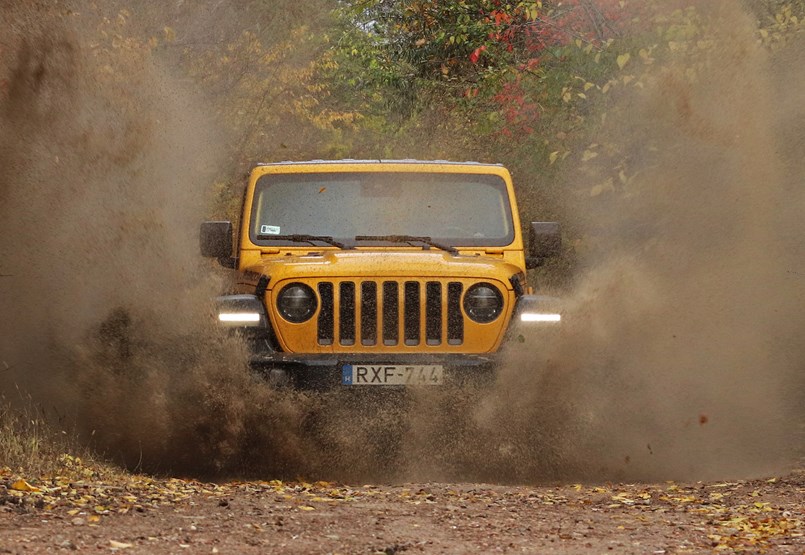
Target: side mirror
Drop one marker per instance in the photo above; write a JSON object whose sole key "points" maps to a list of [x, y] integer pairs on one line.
{"points": [[544, 241], [215, 240]]}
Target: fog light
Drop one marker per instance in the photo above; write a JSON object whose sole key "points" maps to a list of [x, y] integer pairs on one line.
{"points": [[239, 317], [240, 311], [540, 317]]}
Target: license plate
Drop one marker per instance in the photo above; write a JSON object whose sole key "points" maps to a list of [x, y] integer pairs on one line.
{"points": [[392, 374]]}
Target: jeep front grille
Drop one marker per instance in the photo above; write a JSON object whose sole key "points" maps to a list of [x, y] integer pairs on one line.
{"points": [[370, 313]]}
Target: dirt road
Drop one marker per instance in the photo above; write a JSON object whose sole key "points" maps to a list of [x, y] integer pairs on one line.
{"points": [[142, 515]]}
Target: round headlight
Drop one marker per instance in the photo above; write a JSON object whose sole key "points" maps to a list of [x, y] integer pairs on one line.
{"points": [[483, 303], [296, 302]]}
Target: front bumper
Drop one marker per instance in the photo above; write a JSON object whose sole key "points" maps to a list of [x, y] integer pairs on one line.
{"points": [[319, 371]]}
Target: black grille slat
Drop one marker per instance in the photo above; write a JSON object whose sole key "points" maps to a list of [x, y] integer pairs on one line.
{"points": [[455, 320], [433, 313], [326, 315], [391, 313], [369, 313], [346, 313], [412, 313]]}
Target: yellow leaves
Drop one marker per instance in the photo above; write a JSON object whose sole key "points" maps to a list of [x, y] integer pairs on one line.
{"points": [[785, 16], [623, 59], [750, 526], [22, 485], [588, 155], [725, 484], [557, 155], [119, 545], [623, 499], [605, 187], [170, 34], [719, 544]]}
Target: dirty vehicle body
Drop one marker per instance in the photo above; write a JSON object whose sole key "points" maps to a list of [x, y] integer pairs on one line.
{"points": [[379, 273]]}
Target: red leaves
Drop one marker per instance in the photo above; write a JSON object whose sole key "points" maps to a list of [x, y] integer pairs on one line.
{"points": [[519, 112], [500, 17], [476, 54]]}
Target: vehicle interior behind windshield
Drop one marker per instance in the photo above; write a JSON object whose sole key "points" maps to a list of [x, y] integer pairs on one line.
{"points": [[459, 209]]}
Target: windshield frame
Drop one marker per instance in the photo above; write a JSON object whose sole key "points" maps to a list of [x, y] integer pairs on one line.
{"points": [[493, 179]]}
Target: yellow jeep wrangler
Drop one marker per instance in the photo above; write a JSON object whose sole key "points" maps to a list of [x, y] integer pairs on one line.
{"points": [[379, 273]]}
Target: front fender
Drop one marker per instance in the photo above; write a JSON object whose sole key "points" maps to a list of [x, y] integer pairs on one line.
{"points": [[538, 310], [536, 317]]}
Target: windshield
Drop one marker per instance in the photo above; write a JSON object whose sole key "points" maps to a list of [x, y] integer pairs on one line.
{"points": [[453, 209]]}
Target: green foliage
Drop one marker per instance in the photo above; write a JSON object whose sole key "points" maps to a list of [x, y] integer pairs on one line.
{"points": [[528, 83], [535, 88], [447, 40]]}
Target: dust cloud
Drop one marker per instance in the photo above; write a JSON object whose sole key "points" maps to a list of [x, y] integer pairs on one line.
{"points": [[106, 161], [681, 356], [682, 353]]}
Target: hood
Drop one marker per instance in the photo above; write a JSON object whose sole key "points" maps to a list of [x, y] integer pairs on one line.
{"points": [[380, 264]]}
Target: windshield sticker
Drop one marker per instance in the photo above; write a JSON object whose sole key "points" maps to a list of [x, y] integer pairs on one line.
{"points": [[269, 230]]}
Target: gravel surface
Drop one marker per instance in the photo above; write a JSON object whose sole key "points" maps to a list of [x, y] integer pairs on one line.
{"points": [[138, 514]]}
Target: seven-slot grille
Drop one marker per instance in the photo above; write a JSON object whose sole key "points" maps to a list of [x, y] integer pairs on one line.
{"points": [[390, 313]]}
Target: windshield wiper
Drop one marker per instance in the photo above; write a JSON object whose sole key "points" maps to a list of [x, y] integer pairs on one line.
{"points": [[409, 239], [303, 238]]}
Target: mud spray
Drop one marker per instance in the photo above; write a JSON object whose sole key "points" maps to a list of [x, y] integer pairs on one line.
{"points": [[682, 355], [105, 164], [681, 358]]}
